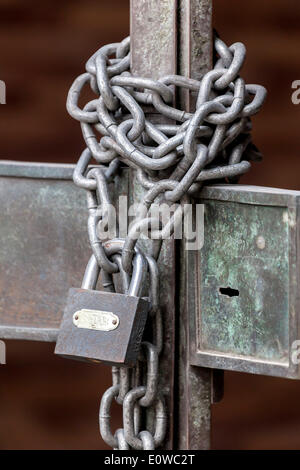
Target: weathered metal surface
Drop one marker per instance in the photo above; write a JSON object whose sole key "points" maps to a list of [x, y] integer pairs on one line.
{"points": [[120, 346], [63, 171], [44, 246], [240, 316], [42, 250], [29, 333], [38, 267], [154, 49], [195, 384], [153, 40], [248, 287], [196, 44]]}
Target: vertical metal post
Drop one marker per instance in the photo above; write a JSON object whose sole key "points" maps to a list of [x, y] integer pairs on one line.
{"points": [[168, 37], [154, 54], [195, 385]]}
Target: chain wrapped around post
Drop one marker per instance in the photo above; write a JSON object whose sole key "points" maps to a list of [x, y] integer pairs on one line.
{"points": [[172, 161]]}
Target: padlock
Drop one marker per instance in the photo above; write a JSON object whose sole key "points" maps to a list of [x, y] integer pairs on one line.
{"points": [[101, 326]]}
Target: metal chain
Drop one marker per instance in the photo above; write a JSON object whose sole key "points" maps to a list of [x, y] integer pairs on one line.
{"points": [[172, 161]]}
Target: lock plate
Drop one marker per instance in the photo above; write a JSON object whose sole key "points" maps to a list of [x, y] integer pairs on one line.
{"points": [[247, 286]]}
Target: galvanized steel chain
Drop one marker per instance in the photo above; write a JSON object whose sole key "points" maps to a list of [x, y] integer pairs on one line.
{"points": [[172, 161]]}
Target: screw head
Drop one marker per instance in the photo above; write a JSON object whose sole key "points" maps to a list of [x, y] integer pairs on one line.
{"points": [[261, 242]]}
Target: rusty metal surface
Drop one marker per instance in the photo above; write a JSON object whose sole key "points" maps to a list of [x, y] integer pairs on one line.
{"points": [[194, 384], [117, 347], [248, 286], [154, 49]]}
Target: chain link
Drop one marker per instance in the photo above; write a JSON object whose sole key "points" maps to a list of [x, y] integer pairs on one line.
{"points": [[173, 161]]}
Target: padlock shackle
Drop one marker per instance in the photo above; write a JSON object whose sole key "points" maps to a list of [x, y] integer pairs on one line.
{"points": [[124, 276], [140, 265], [91, 274], [113, 247], [138, 275]]}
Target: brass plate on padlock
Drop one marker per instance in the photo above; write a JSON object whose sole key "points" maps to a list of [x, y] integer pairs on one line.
{"points": [[96, 320], [247, 288]]}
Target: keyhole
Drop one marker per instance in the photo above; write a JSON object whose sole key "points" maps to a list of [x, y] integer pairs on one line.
{"points": [[229, 292]]}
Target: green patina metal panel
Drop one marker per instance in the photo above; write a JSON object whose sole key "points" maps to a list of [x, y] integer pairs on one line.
{"points": [[246, 249]]}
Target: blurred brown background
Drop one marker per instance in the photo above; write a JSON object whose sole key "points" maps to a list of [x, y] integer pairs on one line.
{"points": [[49, 403]]}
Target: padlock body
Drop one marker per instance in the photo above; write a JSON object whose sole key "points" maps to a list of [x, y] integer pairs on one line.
{"points": [[102, 327]]}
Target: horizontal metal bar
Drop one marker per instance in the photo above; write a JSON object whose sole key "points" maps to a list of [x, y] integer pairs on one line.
{"points": [[30, 334], [59, 171], [64, 171], [247, 194]]}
